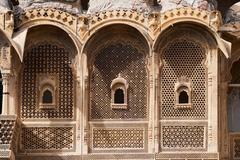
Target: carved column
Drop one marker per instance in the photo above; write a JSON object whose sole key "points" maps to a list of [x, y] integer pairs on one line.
{"points": [[156, 103], [213, 101], [5, 100], [85, 107], [224, 138], [5, 71], [151, 134], [225, 79], [78, 114]]}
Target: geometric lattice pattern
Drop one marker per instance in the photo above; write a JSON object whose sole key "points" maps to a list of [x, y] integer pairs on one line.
{"points": [[183, 137], [6, 131], [110, 61], [48, 138], [183, 58], [118, 138], [52, 59], [236, 148]]}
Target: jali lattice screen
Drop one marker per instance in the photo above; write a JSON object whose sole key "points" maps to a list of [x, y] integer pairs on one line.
{"points": [[183, 57], [130, 63], [47, 58], [47, 139]]}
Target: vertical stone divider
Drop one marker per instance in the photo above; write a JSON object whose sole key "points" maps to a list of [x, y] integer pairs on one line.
{"points": [[225, 79], [156, 68], [212, 64], [85, 104], [13, 93], [151, 96], [78, 107], [6, 75], [224, 147], [5, 100]]}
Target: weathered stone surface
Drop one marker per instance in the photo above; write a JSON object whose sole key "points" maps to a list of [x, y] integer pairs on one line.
{"points": [[201, 4], [233, 14], [103, 5], [5, 5], [68, 7], [146, 6]]}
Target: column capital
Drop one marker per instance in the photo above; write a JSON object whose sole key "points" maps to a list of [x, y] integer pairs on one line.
{"points": [[5, 76]]}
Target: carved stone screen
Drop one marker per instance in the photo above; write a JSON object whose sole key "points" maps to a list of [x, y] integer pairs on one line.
{"points": [[183, 57], [127, 60], [47, 139], [47, 58], [116, 138], [183, 137]]}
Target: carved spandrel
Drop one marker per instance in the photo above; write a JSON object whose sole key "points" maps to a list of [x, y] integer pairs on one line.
{"points": [[82, 26], [154, 23]]}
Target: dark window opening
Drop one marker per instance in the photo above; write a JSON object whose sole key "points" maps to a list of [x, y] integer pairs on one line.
{"points": [[183, 97], [85, 4], [119, 96], [47, 97], [1, 93]]}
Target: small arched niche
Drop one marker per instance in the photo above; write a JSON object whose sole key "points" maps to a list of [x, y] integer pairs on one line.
{"points": [[47, 97], [183, 93], [119, 87], [48, 93]]}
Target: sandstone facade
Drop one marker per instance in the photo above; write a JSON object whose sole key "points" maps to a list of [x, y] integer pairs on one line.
{"points": [[120, 79]]}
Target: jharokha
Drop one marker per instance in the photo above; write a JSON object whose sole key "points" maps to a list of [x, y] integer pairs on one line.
{"points": [[120, 80]]}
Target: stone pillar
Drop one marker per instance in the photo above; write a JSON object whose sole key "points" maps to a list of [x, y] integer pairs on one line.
{"points": [[84, 107], [156, 68], [5, 100], [78, 115], [224, 138], [5, 71], [213, 101]]}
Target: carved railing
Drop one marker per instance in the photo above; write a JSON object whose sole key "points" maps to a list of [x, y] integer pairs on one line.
{"points": [[9, 130]]}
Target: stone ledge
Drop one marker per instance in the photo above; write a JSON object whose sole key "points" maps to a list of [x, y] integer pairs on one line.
{"points": [[7, 155], [91, 157], [8, 117], [186, 156]]}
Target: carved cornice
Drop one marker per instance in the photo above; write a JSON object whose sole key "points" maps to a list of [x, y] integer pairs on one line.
{"points": [[212, 19], [85, 25], [35, 16], [138, 18], [156, 22]]}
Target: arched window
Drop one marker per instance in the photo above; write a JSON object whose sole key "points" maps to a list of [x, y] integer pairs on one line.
{"points": [[48, 92], [183, 91], [183, 97], [119, 88], [47, 97], [119, 96]]}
